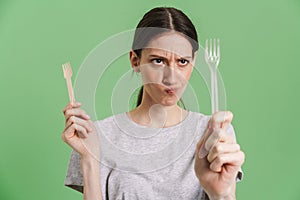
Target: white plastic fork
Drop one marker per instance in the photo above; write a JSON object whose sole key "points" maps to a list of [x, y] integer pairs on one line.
{"points": [[212, 58], [68, 74]]}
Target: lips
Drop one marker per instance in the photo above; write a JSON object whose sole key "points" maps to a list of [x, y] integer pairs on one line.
{"points": [[171, 90]]}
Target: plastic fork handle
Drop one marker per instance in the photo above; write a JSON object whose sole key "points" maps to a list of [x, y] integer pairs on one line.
{"points": [[216, 90]]}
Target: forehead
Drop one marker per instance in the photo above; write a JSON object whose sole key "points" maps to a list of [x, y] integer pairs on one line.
{"points": [[167, 43]]}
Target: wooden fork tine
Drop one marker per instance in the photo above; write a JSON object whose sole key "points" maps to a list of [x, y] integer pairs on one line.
{"points": [[64, 70], [67, 69]]}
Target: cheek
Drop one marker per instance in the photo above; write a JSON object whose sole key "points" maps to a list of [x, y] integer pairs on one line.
{"points": [[151, 75], [187, 74]]}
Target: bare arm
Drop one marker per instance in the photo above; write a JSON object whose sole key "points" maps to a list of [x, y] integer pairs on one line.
{"points": [[91, 178], [79, 125]]}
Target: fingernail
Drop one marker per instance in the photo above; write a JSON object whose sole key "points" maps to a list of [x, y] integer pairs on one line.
{"points": [[87, 116]]}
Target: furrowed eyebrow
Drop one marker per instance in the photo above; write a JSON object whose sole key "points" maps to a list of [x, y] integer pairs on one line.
{"points": [[156, 56], [185, 57]]}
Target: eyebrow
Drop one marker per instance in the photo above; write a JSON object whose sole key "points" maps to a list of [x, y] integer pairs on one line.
{"points": [[153, 55]]}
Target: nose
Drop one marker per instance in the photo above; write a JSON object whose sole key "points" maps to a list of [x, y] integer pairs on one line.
{"points": [[169, 76]]}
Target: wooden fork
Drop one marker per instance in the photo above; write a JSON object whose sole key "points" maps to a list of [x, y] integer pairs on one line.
{"points": [[68, 74]]}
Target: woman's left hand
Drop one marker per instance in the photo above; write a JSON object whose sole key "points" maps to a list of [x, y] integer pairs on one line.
{"points": [[218, 170]]}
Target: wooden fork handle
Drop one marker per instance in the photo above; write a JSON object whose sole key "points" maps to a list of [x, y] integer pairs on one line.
{"points": [[70, 90]]}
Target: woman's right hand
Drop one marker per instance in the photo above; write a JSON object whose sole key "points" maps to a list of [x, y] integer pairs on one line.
{"points": [[77, 125]]}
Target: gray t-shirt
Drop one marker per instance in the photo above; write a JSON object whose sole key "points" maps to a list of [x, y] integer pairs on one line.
{"points": [[167, 172]]}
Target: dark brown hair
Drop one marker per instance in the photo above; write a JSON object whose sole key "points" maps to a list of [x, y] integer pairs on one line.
{"points": [[162, 19]]}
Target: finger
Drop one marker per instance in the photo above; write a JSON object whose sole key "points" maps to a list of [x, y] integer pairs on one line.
{"points": [[81, 122], [201, 152], [204, 136], [216, 136], [73, 130], [201, 141], [76, 112], [233, 159], [71, 105], [78, 131], [221, 148], [221, 119]]}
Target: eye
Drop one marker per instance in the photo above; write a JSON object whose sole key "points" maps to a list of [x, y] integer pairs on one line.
{"points": [[157, 61], [183, 62]]}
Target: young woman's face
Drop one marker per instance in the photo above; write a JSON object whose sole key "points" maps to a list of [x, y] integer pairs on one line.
{"points": [[166, 66]]}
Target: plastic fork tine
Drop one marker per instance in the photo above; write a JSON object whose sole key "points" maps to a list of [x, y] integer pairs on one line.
{"points": [[210, 49], [206, 46], [214, 48], [218, 49]]}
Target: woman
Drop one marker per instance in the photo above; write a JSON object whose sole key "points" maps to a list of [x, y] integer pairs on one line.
{"points": [[165, 57]]}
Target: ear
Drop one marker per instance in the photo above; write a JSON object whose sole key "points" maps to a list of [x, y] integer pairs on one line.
{"points": [[134, 60]]}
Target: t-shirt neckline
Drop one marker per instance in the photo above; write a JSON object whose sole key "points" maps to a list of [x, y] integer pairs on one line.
{"points": [[133, 129], [130, 121]]}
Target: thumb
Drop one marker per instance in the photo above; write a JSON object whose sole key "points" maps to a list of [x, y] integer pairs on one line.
{"points": [[201, 141], [206, 134], [200, 144], [201, 151]]}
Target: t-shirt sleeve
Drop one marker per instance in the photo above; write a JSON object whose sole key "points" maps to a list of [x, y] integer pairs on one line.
{"points": [[74, 178]]}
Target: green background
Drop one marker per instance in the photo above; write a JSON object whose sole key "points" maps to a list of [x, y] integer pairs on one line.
{"points": [[260, 68]]}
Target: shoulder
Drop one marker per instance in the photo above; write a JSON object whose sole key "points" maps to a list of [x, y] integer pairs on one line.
{"points": [[110, 122], [201, 118], [109, 119], [205, 118], [105, 119], [200, 115]]}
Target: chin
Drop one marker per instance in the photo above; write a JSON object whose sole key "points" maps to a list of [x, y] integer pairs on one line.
{"points": [[169, 102]]}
